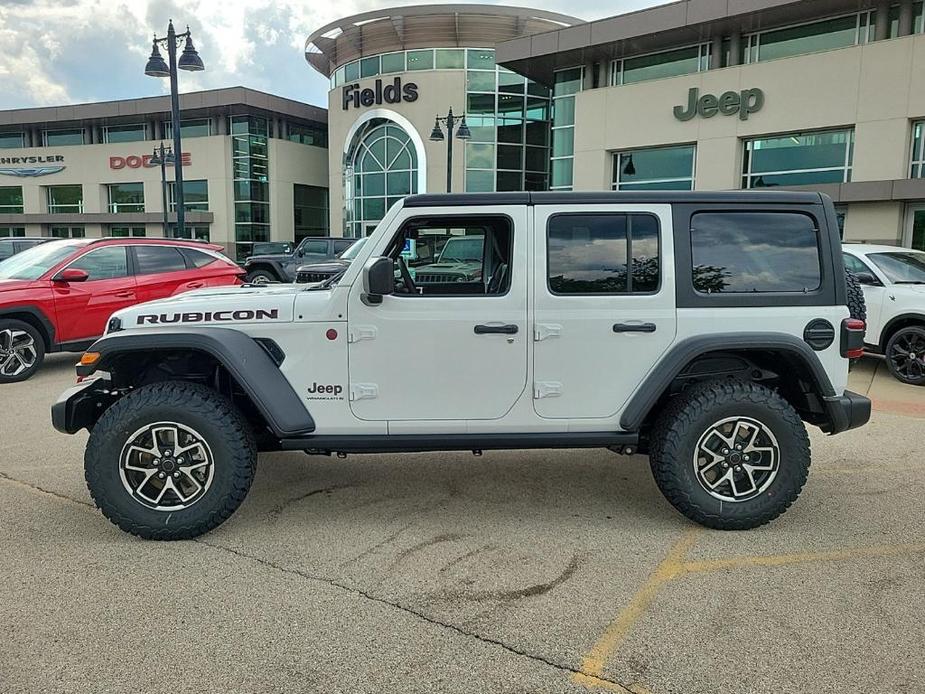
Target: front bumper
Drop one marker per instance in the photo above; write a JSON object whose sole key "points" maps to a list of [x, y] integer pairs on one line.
{"points": [[81, 406], [847, 411]]}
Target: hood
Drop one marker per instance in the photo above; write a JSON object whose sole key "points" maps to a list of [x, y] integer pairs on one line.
{"points": [[10, 285], [267, 256], [222, 306], [331, 266]]}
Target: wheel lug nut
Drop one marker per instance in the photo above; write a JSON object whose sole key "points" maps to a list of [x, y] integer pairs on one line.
{"points": [[157, 461], [725, 451], [161, 475], [738, 468], [176, 474]]}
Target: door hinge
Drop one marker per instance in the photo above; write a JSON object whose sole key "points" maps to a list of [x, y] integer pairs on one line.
{"points": [[362, 332], [543, 330], [363, 391], [546, 389]]}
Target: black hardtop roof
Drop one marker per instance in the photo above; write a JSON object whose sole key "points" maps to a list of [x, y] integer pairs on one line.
{"points": [[760, 197]]}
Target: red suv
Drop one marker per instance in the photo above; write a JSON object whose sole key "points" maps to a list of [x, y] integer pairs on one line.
{"points": [[57, 297]]}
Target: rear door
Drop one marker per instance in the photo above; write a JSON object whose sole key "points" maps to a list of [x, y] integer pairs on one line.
{"points": [[161, 271], [604, 305], [83, 308]]}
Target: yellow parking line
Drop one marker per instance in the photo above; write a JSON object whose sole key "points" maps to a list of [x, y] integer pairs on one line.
{"points": [[593, 663], [801, 557]]}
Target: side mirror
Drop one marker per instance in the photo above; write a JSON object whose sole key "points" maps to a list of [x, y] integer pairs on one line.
{"points": [[378, 279], [72, 275], [867, 278], [300, 253]]}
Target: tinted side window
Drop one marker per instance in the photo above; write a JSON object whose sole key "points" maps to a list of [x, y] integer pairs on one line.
{"points": [[855, 264], [588, 253], [315, 247], [6, 250], [197, 258], [105, 263], [748, 252], [155, 259], [341, 246]]}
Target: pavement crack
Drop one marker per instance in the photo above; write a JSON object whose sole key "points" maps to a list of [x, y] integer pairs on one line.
{"points": [[359, 592], [277, 510], [42, 490]]}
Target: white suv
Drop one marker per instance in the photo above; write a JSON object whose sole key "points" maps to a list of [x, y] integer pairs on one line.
{"points": [[702, 329], [893, 280]]}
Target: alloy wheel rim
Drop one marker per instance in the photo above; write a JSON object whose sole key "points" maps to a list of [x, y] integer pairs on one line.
{"points": [[166, 466], [736, 459], [907, 355], [17, 352]]}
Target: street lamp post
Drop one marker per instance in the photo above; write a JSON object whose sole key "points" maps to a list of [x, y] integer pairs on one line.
{"points": [[163, 156], [436, 135], [156, 67]]}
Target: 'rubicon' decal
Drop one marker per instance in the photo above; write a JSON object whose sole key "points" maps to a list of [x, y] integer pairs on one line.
{"points": [[208, 316]]}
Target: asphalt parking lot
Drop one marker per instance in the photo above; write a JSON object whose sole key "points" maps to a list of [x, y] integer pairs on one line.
{"points": [[514, 572]]}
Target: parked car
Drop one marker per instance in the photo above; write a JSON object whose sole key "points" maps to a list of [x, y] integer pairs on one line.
{"points": [[893, 280], [17, 244], [58, 296], [706, 330], [319, 272], [281, 267]]}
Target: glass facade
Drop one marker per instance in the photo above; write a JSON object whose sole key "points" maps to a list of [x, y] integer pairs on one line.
{"points": [[195, 232], [402, 61], [11, 200], [57, 232], [65, 198], [195, 195], [57, 138], [681, 61], [798, 159], [382, 167], [124, 232], [194, 127], [7, 232], [250, 163], [124, 133], [567, 84], [917, 24], [314, 135], [11, 140], [826, 35], [659, 168], [126, 197], [310, 211], [918, 150], [509, 118]]}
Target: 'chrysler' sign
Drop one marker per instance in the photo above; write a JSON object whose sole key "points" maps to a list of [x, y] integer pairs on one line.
{"points": [[48, 163]]}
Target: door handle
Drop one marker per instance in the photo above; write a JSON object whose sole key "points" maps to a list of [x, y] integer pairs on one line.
{"points": [[634, 327], [125, 295], [194, 285], [509, 329]]}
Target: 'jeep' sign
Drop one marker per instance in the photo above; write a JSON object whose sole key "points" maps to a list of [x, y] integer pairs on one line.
{"points": [[378, 94], [729, 103]]}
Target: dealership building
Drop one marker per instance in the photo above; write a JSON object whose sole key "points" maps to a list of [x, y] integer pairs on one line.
{"points": [[255, 168], [701, 94]]}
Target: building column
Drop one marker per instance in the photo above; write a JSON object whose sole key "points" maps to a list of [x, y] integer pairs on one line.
{"points": [[588, 82], [219, 125], [716, 52], [882, 22], [735, 48], [905, 18], [90, 135]]}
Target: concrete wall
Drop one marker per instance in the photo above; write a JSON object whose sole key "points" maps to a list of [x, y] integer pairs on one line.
{"points": [[438, 91]]}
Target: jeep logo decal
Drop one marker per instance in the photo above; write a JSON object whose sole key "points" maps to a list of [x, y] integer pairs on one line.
{"points": [[320, 391], [208, 316]]}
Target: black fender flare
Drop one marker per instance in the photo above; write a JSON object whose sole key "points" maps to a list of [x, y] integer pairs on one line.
{"points": [[671, 364], [244, 358], [47, 325], [273, 266]]}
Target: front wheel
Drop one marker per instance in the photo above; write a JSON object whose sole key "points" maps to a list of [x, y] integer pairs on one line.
{"points": [[261, 277], [905, 355], [730, 455], [170, 461], [22, 351]]}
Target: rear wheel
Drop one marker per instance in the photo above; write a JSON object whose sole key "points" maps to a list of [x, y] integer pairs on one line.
{"points": [[730, 455], [170, 461], [22, 351], [905, 355], [261, 277]]}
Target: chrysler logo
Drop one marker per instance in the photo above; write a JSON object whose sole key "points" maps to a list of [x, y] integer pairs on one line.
{"points": [[31, 171]]}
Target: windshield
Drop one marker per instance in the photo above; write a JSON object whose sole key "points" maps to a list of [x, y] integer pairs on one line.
{"points": [[351, 252], [35, 262], [462, 248], [900, 268]]}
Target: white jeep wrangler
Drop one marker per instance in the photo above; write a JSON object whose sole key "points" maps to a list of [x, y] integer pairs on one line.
{"points": [[702, 329], [893, 281]]}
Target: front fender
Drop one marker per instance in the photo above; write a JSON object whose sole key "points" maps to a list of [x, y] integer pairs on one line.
{"points": [[250, 364]]}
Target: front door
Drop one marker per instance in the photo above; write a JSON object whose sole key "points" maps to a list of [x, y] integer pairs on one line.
{"points": [[83, 308], [605, 306], [451, 343]]}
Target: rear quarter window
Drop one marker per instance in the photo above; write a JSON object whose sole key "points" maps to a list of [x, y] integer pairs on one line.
{"points": [[754, 252]]}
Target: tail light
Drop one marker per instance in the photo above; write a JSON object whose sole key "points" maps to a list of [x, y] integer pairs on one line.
{"points": [[852, 338]]}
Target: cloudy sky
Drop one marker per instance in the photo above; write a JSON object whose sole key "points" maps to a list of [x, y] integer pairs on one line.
{"points": [[72, 51]]}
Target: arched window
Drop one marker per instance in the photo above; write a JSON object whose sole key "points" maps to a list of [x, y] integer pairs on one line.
{"points": [[381, 168]]}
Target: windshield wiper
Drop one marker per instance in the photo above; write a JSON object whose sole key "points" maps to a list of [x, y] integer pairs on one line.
{"points": [[909, 282]]}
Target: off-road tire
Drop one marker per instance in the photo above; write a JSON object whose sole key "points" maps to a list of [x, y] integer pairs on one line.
{"points": [[917, 333], [38, 344], [856, 305], [228, 435], [261, 277], [689, 415]]}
